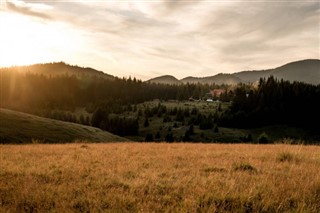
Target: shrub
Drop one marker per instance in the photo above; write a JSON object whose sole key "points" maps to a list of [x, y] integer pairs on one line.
{"points": [[169, 137], [263, 138], [186, 136], [191, 129], [149, 137], [157, 135], [146, 122], [215, 128]]}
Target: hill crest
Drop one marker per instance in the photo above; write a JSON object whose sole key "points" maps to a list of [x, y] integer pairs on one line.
{"points": [[165, 79], [59, 68], [24, 128], [307, 71]]}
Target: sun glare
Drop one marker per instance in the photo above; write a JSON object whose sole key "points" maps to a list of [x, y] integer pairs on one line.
{"points": [[24, 41]]}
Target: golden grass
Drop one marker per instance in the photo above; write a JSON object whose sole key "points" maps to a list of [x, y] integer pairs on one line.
{"points": [[140, 177]]}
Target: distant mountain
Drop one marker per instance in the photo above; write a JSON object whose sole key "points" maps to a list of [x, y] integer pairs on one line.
{"points": [[191, 80], [216, 79], [165, 79], [252, 76], [18, 127], [307, 71], [59, 68]]}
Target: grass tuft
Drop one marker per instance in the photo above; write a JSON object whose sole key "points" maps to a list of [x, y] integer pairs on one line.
{"points": [[213, 169], [244, 167], [84, 146], [286, 157]]}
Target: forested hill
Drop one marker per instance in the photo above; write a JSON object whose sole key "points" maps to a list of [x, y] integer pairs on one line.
{"points": [[218, 79], [35, 92], [165, 79], [58, 69], [271, 102], [275, 102], [307, 71]]}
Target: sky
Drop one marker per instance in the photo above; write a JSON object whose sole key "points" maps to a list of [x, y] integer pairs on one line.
{"points": [[149, 38]]}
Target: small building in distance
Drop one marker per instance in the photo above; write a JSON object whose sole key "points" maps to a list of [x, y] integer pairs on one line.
{"points": [[217, 92], [209, 100]]}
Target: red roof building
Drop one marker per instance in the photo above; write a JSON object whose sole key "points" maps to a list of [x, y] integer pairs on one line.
{"points": [[217, 92]]}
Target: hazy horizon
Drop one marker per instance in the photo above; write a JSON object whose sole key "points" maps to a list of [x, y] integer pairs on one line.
{"points": [[147, 39]]}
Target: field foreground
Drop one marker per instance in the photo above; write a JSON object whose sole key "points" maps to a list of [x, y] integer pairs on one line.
{"points": [[140, 177]]}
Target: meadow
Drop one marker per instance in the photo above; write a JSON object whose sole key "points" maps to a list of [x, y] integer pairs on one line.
{"points": [[159, 177]]}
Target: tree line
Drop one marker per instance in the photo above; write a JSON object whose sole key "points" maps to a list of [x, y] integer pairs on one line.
{"points": [[271, 102], [35, 93], [274, 102]]}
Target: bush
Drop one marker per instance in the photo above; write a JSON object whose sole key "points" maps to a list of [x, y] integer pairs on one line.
{"points": [[191, 129], [215, 128], [169, 137], [186, 136], [263, 138], [157, 135], [149, 137], [146, 122]]}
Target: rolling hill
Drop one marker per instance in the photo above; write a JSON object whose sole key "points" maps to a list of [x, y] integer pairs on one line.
{"points": [[59, 68], [165, 79], [18, 127], [307, 71], [216, 79]]}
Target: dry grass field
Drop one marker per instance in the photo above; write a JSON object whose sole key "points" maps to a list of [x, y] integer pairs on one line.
{"points": [[146, 177]]}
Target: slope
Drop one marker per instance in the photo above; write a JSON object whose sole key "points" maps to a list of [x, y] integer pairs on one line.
{"points": [[307, 71], [221, 79], [18, 127], [165, 79], [59, 68]]}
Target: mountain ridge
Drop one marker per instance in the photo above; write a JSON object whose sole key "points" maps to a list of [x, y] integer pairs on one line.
{"points": [[165, 79], [59, 68], [307, 71]]}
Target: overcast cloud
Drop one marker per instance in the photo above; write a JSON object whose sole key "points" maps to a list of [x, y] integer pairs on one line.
{"points": [[180, 38]]}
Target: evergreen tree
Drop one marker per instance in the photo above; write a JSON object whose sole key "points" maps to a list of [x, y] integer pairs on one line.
{"points": [[169, 137], [146, 122], [149, 137]]}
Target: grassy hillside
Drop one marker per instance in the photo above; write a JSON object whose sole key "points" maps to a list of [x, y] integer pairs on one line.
{"points": [[140, 177], [17, 127]]}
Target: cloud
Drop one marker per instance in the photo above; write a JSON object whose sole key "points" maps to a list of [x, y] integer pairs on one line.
{"points": [[261, 33], [185, 37], [29, 9]]}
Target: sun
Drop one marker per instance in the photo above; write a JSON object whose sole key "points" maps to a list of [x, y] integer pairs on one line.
{"points": [[24, 41]]}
